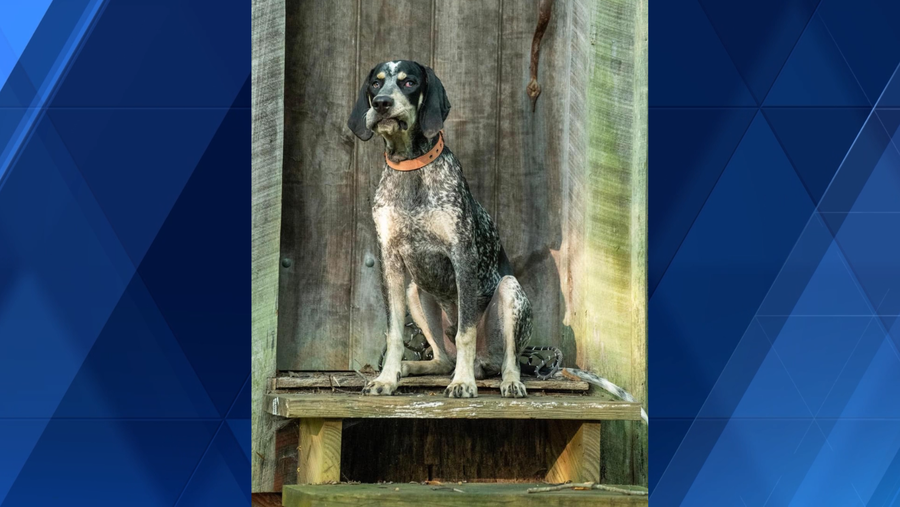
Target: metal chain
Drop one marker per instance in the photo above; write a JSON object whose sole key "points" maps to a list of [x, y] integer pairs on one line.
{"points": [[542, 362], [414, 342]]}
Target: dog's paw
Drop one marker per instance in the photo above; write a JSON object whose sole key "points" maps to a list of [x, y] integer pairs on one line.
{"points": [[513, 389], [379, 387], [461, 390]]}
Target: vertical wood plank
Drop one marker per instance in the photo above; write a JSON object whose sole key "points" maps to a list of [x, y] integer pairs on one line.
{"points": [[320, 451], [287, 443], [573, 451], [574, 162], [466, 54], [592, 448], [388, 30], [317, 230], [639, 237], [608, 266], [530, 167], [266, 137]]}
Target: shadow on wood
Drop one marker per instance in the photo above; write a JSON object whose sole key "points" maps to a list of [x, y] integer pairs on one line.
{"points": [[448, 450]]}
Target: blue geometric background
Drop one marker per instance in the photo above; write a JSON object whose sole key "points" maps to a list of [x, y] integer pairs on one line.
{"points": [[124, 256], [774, 252]]}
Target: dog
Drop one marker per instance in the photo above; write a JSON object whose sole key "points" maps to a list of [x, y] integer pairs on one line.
{"points": [[430, 226]]}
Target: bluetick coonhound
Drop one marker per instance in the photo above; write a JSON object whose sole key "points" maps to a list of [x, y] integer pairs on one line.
{"points": [[431, 227]]}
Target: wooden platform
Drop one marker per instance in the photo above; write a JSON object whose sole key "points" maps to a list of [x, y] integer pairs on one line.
{"points": [[423, 406], [455, 495], [352, 380], [569, 443]]}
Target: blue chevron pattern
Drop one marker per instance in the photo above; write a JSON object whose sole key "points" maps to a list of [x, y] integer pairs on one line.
{"points": [[774, 350], [124, 211]]}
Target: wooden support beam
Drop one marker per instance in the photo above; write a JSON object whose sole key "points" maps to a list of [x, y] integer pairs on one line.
{"points": [[573, 452], [320, 451], [606, 224], [267, 133]]}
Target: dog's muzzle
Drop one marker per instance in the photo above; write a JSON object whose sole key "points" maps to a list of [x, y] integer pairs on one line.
{"points": [[385, 115], [383, 104], [391, 124]]}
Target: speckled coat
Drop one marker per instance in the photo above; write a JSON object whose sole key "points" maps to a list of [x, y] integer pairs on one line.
{"points": [[430, 226]]}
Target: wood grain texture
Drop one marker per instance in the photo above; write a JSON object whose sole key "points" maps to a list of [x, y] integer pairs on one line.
{"points": [[342, 406], [530, 166], [306, 380], [319, 451], [466, 47], [451, 495], [317, 230], [611, 255], [639, 238], [568, 188], [447, 450], [575, 144], [388, 30], [265, 500], [287, 443], [267, 131], [573, 452]]}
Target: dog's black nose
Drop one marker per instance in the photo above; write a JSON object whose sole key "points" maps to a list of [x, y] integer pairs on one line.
{"points": [[382, 103]]}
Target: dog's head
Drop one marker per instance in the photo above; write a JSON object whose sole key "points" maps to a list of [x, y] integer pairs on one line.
{"points": [[397, 96]]}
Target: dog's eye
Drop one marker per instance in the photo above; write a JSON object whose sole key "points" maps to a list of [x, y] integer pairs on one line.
{"points": [[409, 84], [376, 84]]}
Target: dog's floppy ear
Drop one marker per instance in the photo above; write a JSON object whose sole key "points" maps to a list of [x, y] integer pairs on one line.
{"points": [[357, 122], [435, 106]]}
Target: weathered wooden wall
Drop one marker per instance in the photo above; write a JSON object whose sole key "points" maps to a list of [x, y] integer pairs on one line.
{"points": [[566, 184], [331, 312], [443, 449], [606, 212], [319, 181], [402, 28], [266, 184]]}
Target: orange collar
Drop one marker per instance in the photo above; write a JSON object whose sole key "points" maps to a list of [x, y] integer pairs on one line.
{"points": [[420, 162]]}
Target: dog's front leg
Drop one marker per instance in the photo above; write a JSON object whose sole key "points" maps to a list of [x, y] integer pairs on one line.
{"points": [[395, 299], [471, 306]]}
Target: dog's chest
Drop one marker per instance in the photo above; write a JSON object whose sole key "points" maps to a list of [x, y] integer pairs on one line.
{"points": [[420, 218], [419, 230], [420, 210]]}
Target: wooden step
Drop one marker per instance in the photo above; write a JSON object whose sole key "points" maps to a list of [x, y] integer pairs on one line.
{"points": [[421, 406], [352, 380], [451, 495]]}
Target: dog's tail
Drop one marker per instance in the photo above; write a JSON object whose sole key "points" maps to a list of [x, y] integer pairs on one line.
{"points": [[546, 362], [605, 385]]}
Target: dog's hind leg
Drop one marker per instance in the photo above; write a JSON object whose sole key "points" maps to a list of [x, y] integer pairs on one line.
{"points": [[426, 313], [508, 329]]}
